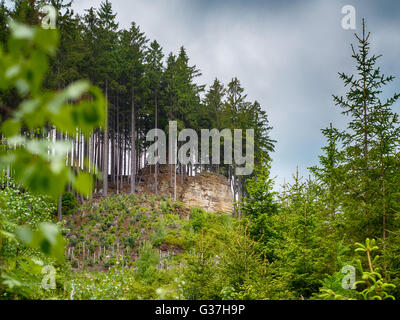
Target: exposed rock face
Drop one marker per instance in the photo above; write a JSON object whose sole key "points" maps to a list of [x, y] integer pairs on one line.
{"points": [[208, 191]]}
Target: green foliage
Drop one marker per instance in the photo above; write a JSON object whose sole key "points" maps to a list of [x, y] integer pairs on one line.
{"points": [[47, 239], [201, 272], [372, 286], [198, 219], [25, 208], [260, 208], [362, 175], [376, 287], [159, 233], [24, 63], [25, 250], [23, 67], [147, 262], [69, 203]]}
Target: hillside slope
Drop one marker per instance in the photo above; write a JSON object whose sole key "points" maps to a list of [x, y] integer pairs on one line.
{"points": [[105, 232], [147, 247]]}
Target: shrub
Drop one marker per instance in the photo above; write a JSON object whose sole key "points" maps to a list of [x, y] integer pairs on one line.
{"points": [[198, 219], [147, 262], [69, 203]]}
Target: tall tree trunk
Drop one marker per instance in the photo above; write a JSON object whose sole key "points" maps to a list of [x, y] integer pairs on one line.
{"points": [[156, 165], [119, 160], [112, 164], [124, 148], [133, 148], [91, 149], [175, 181], [117, 152], [365, 116], [384, 214], [98, 158], [365, 151], [105, 155], [59, 204]]}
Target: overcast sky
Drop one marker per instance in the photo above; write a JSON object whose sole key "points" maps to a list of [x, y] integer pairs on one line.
{"points": [[286, 54]]}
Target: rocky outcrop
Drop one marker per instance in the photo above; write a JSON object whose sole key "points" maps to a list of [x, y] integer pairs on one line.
{"points": [[208, 191]]}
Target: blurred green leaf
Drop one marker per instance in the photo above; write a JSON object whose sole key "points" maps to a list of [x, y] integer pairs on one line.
{"points": [[47, 238], [84, 183], [11, 128]]}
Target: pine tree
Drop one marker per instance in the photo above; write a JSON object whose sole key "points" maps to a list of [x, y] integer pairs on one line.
{"points": [[368, 142], [67, 65], [133, 48], [170, 100], [214, 102], [26, 11], [154, 74], [260, 209], [329, 174], [304, 256], [107, 40]]}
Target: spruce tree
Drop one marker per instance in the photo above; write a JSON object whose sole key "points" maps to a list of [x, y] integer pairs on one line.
{"points": [[214, 102], [107, 40], [155, 69], [370, 140], [260, 209]]}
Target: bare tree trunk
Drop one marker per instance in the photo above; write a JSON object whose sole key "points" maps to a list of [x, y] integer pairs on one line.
{"points": [[175, 168], [59, 204], [120, 161], [181, 172], [59, 208], [112, 164], [105, 156], [125, 159], [79, 150], [133, 148], [175, 182], [98, 157], [118, 152], [90, 157], [156, 165]]}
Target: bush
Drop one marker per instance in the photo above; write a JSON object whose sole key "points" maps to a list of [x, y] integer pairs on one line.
{"points": [[198, 219], [147, 262], [69, 203]]}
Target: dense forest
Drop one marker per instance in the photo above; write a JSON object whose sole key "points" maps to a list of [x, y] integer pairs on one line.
{"points": [[76, 104]]}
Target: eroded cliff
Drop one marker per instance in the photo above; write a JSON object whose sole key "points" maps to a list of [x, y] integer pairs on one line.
{"points": [[206, 190]]}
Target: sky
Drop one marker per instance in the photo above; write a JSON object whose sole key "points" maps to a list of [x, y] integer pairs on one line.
{"points": [[287, 55]]}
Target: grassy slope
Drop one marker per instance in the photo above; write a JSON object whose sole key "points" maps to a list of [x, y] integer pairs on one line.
{"points": [[128, 247]]}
